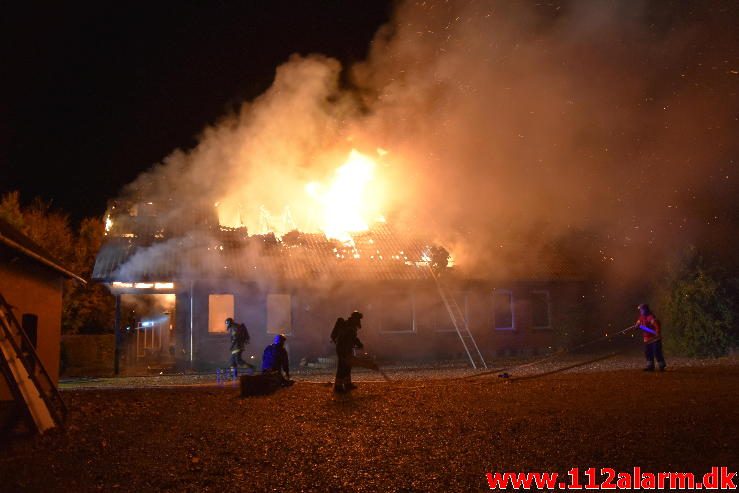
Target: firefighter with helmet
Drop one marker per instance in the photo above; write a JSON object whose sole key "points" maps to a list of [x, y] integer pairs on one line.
{"points": [[239, 339], [345, 337], [275, 361]]}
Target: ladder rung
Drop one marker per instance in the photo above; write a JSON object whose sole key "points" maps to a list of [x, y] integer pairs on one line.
{"points": [[459, 321]]}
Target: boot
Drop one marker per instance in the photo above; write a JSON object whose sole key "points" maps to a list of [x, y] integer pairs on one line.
{"points": [[649, 368], [662, 366]]}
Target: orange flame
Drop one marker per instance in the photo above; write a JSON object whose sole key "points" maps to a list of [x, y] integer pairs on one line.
{"points": [[348, 203]]}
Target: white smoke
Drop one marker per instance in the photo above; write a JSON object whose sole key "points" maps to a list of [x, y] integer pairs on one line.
{"points": [[507, 124]]}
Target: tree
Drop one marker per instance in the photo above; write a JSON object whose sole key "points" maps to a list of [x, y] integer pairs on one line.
{"points": [[699, 307], [50, 229], [87, 308], [10, 209]]}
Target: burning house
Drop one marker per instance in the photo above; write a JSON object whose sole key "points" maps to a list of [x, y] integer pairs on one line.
{"points": [[186, 278]]}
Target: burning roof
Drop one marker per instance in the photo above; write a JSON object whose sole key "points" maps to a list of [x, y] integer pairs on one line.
{"points": [[376, 254], [331, 229], [328, 230]]}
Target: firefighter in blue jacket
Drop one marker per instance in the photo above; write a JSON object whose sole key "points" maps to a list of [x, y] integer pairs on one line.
{"points": [[275, 360], [345, 337]]}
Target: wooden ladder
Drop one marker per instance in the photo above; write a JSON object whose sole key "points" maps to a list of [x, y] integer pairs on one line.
{"points": [[27, 378]]}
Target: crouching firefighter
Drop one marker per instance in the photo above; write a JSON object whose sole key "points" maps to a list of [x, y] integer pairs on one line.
{"points": [[345, 337], [239, 339], [652, 332], [275, 362]]}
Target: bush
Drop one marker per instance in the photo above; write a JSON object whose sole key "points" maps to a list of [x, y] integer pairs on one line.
{"points": [[699, 309]]}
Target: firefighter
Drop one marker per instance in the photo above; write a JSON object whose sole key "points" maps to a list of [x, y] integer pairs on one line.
{"points": [[338, 327], [275, 361], [652, 333], [239, 338], [345, 337]]}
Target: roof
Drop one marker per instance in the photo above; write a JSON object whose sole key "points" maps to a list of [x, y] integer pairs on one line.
{"points": [[17, 241], [376, 255]]}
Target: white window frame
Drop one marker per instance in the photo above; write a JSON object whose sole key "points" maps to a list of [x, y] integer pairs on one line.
{"points": [[512, 305], [549, 310], [381, 323]]}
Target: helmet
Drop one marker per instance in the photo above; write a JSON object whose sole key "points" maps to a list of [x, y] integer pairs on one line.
{"points": [[355, 319], [279, 339], [229, 321], [643, 307]]}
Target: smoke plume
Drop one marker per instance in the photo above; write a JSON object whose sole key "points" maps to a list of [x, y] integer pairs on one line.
{"points": [[605, 125]]}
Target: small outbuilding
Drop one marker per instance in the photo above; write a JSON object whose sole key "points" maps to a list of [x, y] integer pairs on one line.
{"points": [[31, 282]]}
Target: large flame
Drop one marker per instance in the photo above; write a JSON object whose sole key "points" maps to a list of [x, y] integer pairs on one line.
{"points": [[349, 202], [346, 204]]}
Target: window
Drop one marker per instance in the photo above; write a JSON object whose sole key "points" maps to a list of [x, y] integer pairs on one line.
{"points": [[428, 311], [279, 314], [431, 314], [503, 309], [462, 309], [396, 313], [220, 307], [540, 310], [29, 322]]}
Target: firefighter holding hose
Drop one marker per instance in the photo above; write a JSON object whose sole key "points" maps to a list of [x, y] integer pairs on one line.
{"points": [[345, 337], [652, 333]]}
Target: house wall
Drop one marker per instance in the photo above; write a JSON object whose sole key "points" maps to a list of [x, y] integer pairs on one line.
{"points": [[31, 288], [566, 314], [402, 320]]}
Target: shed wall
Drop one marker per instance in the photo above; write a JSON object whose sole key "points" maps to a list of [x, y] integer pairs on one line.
{"points": [[30, 288]]}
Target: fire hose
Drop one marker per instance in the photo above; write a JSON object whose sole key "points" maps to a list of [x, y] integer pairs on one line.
{"points": [[368, 362], [505, 375], [562, 351]]}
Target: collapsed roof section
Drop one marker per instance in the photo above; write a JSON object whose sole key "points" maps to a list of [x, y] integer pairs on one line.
{"points": [[151, 242], [377, 254]]}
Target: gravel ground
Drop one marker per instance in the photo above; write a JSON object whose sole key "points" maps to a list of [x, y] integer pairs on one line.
{"points": [[439, 371], [413, 434]]}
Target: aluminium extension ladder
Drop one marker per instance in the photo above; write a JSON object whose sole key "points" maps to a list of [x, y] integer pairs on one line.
{"points": [[459, 321], [27, 378]]}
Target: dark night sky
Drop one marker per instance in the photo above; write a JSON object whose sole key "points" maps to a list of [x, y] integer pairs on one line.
{"points": [[93, 96]]}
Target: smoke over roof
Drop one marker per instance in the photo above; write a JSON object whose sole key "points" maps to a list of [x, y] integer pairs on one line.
{"points": [[607, 126]]}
